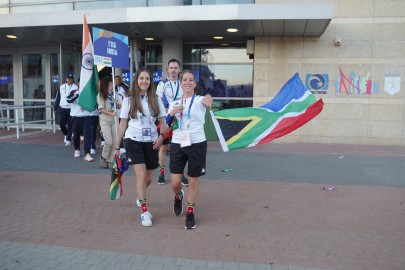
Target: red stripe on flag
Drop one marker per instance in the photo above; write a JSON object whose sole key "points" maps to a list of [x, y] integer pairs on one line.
{"points": [[290, 124]]}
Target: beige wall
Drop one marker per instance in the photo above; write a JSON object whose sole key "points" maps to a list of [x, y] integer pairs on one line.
{"points": [[373, 41]]}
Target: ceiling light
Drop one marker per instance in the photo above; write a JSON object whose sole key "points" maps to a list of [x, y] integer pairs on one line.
{"points": [[149, 38], [11, 36], [232, 30], [218, 37]]}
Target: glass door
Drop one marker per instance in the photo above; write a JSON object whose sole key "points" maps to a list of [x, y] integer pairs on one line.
{"points": [[33, 78]]}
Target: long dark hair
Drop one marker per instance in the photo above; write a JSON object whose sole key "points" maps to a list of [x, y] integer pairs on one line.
{"points": [[105, 81], [134, 96]]}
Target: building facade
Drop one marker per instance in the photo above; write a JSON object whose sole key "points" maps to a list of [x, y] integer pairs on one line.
{"points": [[350, 53]]}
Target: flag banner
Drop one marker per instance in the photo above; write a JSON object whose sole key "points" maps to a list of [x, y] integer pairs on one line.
{"points": [[117, 170], [112, 46], [88, 73], [290, 109]]}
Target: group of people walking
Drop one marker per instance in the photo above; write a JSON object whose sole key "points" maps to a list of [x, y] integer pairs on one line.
{"points": [[149, 121], [78, 124]]}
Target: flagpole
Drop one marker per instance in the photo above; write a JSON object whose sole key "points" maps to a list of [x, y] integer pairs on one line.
{"points": [[115, 107]]}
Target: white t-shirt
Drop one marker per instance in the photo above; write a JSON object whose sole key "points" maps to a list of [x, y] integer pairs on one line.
{"points": [[120, 95], [135, 126], [195, 124], [65, 90], [169, 89]]}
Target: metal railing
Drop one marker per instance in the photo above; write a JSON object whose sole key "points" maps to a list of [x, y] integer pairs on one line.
{"points": [[18, 120]]}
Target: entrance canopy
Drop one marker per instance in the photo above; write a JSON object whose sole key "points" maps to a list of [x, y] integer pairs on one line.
{"points": [[195, 23]]}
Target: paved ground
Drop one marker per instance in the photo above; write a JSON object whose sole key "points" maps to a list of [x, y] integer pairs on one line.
{"points": [[268, 212]]}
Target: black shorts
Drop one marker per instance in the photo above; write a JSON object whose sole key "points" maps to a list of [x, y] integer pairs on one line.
{"points": [[141, 152], [195, 155]]}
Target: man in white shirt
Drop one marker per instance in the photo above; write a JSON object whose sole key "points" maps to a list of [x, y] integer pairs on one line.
{"points": [[169, 90], [63, 108]]}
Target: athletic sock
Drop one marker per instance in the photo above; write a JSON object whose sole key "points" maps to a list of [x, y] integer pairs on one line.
{"points": [[190, 207], [179, 196], [162, 170], [143, 206]]}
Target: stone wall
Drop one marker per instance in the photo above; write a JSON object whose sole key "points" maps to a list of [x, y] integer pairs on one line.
{"points": [[372, 34]]}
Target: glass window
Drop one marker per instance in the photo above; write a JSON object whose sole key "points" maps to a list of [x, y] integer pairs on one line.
{"points": [[228, 80], [154, 53], [225, 55], [33, 74], [55, 80], [157, 72], [221, 2], [6, 77], [191, 53], [71, 61]]}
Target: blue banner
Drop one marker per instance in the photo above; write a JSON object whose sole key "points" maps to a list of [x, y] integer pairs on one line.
{"points": [[111, 45]]}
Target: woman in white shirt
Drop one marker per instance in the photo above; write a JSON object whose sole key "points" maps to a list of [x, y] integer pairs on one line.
{"points": [[139, 112], [188, 144]]}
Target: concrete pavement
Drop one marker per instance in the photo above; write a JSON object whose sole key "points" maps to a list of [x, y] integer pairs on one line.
{"points": [[268, 212]]}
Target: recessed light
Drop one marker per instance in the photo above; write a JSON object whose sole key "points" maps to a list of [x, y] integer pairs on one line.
{"points": [[149, 38], [232, 30], [224, 44], [218, 37], [11, 36]]}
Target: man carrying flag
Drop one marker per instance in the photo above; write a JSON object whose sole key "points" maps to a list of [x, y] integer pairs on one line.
{"points": [[84, 100]]}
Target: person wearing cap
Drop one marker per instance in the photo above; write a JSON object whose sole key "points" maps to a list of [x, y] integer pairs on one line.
{"points": [[62, 106]]}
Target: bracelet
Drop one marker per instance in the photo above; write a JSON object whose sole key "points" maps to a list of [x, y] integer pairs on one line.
{"points": [[162, 134]]}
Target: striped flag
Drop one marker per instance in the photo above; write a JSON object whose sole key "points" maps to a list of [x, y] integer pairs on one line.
{"points": [[290, 109], [88, 73], [117, 170]]}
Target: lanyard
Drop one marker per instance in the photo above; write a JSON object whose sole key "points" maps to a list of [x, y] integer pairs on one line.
{"points": [[110, 98], [171, 86], [183, 102]]}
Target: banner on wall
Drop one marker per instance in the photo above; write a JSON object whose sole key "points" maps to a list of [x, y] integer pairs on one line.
{"points": [[110, 49]]}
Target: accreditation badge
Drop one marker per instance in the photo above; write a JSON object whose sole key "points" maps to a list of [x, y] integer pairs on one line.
{"points": [[185, 138], [146, 135]]}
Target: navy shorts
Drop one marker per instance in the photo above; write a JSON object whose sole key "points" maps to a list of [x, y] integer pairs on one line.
{"points": [[141, 152], [195, 155]]}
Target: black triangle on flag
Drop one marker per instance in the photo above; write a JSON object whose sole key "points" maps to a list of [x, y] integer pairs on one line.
{"points": [[230, 128]]}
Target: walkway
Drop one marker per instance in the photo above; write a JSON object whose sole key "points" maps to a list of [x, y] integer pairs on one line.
{"points": [[268, 212]]}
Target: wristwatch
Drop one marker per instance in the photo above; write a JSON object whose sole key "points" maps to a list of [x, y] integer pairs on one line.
{"points": [[162, 134]]}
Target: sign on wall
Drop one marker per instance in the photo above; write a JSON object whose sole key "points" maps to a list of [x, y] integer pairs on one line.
{"points": [[392, 84]]}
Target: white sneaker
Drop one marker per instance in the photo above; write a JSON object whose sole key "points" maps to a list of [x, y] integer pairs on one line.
{"points": [[122, 151], [64, 140], [102, 143], [88, 158], [92, 151], [146, 219], [138, 203], [67, 143], [77, 153]]}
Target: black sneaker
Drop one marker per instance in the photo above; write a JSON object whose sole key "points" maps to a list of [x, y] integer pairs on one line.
{"points": [[184, 181], [178, 205], [161, 180], [190, 222]]}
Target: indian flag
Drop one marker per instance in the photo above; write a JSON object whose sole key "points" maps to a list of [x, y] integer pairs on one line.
{"points": [[88, 73]]}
